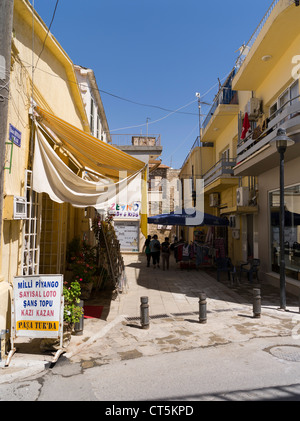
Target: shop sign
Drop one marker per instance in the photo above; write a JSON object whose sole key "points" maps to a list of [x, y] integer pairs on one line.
{"points": [[38, 306], [123, 211], [37, 309]]}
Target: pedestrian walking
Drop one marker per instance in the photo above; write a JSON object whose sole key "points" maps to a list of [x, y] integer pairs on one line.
{"points": [[147, 250], [155, 250], [165, 253]]}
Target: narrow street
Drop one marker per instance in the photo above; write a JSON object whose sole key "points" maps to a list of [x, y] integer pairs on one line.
{"points": [[232, 372], [232, 357]]}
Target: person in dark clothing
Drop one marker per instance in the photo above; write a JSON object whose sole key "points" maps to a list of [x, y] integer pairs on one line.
{"points": [[165, 252], [155, 250], [146, 248]]}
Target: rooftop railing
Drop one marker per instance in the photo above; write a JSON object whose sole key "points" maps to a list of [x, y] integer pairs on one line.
{"points": [[136, 140], [247, 47]]}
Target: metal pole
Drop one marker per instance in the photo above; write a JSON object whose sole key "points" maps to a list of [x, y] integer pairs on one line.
{"points": [[256, 303], [281, 232], [144, 313], [202, 308]]}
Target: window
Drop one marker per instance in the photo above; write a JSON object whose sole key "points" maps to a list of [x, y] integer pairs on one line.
{"points": [[225, 155], [53, 236], [92, 116], [31, 229], [289, 97], [291, 231]]}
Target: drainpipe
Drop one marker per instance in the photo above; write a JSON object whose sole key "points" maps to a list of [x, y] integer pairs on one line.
{"points": [[6, 23]]}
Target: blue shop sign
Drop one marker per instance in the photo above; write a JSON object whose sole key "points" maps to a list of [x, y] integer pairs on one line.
{"points": [[14, 135]]}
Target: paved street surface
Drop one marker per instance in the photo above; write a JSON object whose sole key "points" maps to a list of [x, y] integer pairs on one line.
{"points": [[174, 326]]}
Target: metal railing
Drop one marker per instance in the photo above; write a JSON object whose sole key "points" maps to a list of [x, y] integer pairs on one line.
{"points": [[196, 144], [136, 139], [225, 96], [287, 116], [224, 167], [247, 47]]}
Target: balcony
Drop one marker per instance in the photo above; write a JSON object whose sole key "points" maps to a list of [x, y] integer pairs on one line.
{"points": [[225, 107], [278, 29], [220, 176], [254, 153]]}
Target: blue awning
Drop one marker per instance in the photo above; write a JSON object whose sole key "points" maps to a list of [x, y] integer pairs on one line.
{"points": [[185, 219]]}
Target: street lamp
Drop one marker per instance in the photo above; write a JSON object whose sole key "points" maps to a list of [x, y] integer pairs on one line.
{"points": [[282, 141]]}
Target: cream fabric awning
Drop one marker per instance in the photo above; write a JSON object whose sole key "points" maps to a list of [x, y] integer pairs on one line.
{"points": [[52, 176], [89, 151]]}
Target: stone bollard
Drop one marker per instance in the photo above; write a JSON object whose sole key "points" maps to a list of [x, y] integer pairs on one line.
{"points": [[256, 303], [3, 334], [202, 308], [78, 327], [144, 313]]}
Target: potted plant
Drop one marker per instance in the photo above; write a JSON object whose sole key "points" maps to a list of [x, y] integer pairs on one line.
{"points": [[83, 266], [72, 315], [72, 312]]}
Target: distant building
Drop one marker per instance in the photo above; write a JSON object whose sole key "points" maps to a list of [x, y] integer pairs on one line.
{"points": [[162, 197]]}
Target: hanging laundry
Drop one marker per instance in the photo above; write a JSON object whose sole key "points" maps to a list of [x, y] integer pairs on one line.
{"points": [[246, 126]]}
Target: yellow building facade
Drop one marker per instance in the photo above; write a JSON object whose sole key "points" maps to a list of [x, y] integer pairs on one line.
{"points": [[243, 181], [40, 69], [45, 101]]}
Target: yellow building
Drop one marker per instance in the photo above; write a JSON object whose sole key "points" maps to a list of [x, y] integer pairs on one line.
{"points": [[269, 72], [243, 180], [47, 123]]}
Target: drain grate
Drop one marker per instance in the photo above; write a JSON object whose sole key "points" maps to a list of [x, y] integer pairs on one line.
{"points": [[156, 316], [188, 313], [286, 352], [159, 316]]}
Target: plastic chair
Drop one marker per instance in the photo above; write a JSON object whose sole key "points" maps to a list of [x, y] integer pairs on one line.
{"points": [[224, 265], [251, 267]]}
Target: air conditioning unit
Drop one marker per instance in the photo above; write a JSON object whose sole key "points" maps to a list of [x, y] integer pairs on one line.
{"points": [[253, 108], [14, 207], [214, 199], [242, 196]]}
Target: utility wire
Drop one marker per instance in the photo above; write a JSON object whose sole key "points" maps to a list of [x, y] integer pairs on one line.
{"points": [[53, 16]]}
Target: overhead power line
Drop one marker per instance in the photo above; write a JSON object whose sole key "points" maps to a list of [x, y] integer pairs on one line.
{"points": [[53, 16]]}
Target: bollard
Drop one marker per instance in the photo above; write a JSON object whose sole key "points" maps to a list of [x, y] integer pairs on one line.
{"points": [[78, 327], [144, 313], [256, 303], [202, 308], [3, 334]]}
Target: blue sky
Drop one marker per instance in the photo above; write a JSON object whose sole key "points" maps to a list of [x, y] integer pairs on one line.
{"points": [[155, 52]]}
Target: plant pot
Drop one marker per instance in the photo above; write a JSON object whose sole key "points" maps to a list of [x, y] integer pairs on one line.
{"points": [[86, 290]]}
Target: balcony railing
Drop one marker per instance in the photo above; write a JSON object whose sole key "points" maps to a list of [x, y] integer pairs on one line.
{"points": [[225, 96], [197, 144], [222, 168], [244, 51], [286, 117]]}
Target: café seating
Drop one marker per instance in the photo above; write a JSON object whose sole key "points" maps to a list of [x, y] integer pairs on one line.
{"points": [[251, 268], [224, 265]]}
